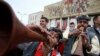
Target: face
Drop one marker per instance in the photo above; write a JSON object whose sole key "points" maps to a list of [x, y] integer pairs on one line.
{"points": [[54, 38], [43, 22], [72, 26], [83, 22], [97, 21]]}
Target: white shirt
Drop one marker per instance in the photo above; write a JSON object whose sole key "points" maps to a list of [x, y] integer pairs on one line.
{"points": [[58, 54]]}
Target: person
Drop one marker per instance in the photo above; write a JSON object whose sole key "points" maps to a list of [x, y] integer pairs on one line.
{"points": [[40, 29], [12, 32], [23, 46], [43, 22], [72, 26], [45, 49], [18, 50], [69, 30], [93, 47], [72, 46]]}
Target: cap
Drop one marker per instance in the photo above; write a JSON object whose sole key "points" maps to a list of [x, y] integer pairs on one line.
{"points": [[83, 17]]}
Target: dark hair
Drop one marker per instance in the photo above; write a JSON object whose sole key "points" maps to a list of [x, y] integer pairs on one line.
{"points": [[95, 17], [58, 31], [71, 23], [44, 18], [83, 17]]}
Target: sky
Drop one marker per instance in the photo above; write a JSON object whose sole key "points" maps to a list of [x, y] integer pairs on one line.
{"points": [[23, 8]]}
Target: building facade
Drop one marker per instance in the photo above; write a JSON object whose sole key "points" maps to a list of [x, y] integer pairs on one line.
{"points": [[66, 11], [34, 18]]}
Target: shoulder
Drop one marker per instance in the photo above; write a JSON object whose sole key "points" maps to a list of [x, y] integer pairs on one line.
{"points": [[90, 29], [31, 48], [90, 32]]}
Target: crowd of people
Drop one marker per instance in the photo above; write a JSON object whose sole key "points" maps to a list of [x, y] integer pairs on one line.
{"points": [[80, 41]]}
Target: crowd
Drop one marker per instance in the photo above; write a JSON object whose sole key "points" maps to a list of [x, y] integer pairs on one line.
{"points": [[81, 41]]}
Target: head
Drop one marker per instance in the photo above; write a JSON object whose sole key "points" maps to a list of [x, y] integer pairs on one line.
{"points": [[96, 20], [83, 20], [56, 35], [72, 25], [43, 22]]}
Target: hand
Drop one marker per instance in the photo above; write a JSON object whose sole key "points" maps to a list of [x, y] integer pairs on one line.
{"points": [[76, 32], [48, 46], [52, 41], [46, 49], [43, 30], [38, 29], [84, 38], [86, 42], [88, 47]]}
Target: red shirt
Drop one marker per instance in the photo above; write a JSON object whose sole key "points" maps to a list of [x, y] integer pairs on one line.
{"points": [[39, 50], [53, 53]]}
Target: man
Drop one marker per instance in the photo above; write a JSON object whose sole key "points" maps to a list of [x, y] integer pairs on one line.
{"points": [[72, 28], [39, 29], [94, 37], [73, 38], [47, 49], [42, 28], [69, 30], [43, 22]]}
